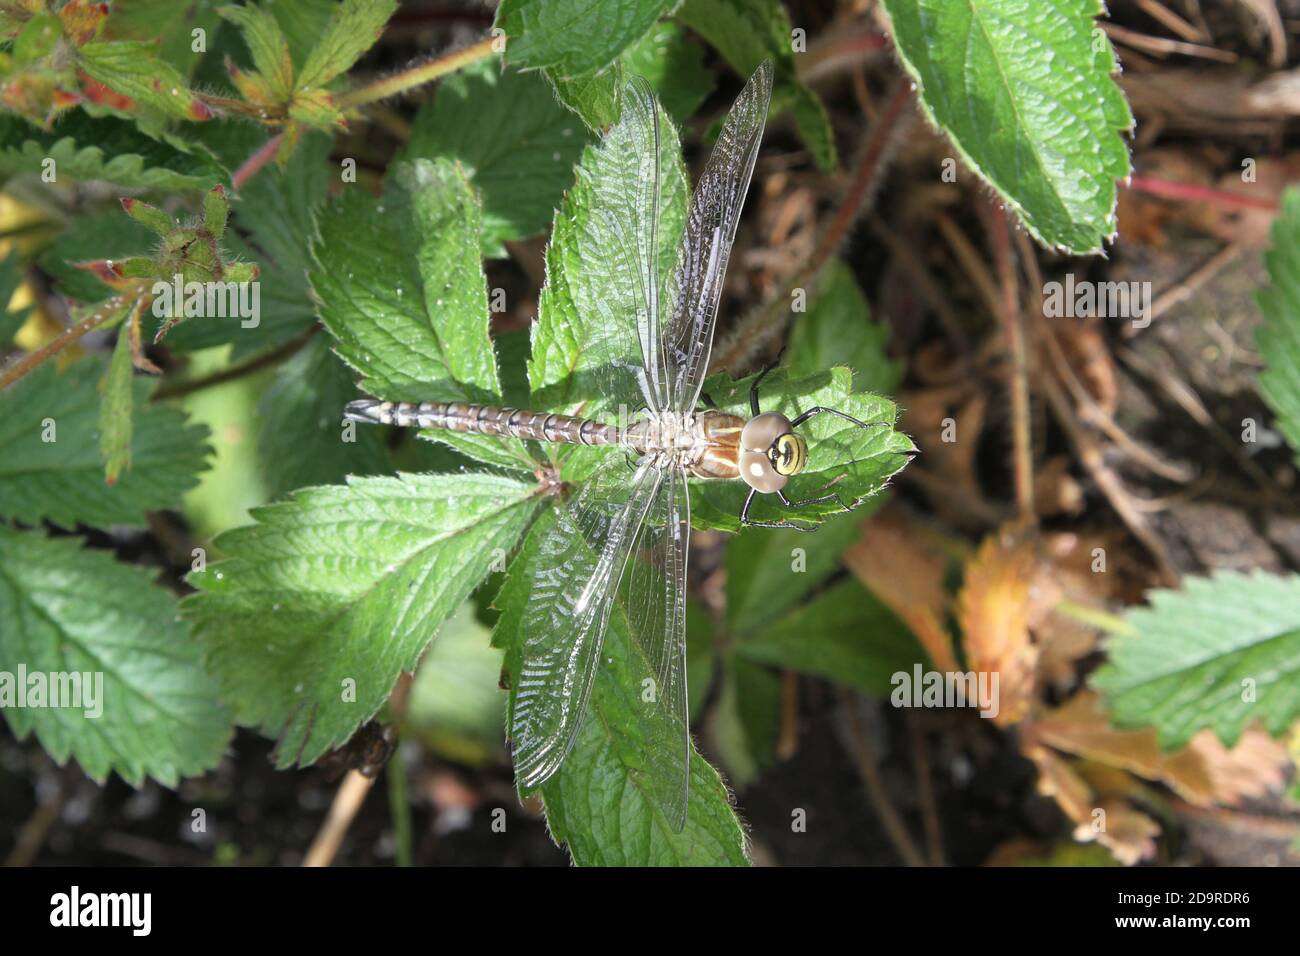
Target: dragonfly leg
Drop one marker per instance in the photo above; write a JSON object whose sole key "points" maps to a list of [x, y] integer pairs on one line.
{"points": [[804, 502], [820, 410], [746, 520]]}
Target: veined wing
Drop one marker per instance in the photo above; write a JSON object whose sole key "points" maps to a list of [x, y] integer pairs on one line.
{"points": [[656, 614], [575, 582], [696, 286], [628, 211]]}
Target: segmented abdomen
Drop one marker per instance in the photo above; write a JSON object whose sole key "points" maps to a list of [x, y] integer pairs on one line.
{"points": [[483, 420]]}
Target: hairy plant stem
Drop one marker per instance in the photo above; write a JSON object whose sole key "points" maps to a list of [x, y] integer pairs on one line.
{"points": [[31, 360], [251, 166], [418, 75], [1013, 330], [248, 366], [761, 326]]}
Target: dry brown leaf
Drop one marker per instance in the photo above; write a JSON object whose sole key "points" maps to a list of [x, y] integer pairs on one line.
{"points": [[1128, 833], [993, 608], [894, 564], [1204, 773], [1089, 357]]}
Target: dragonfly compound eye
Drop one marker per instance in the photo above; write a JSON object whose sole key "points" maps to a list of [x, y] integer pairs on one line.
{"points": [[757, 471], [761, 432], [789, 454]]}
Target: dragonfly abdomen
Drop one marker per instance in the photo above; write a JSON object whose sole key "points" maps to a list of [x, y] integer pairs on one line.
{"points": [[483, 420]]}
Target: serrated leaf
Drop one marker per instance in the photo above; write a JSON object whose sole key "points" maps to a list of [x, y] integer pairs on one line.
{"points": [[573, 37], [838, 330], [855, 463], [335, 592], [351, 31], [747, 32], [132, 68], [1279, 336], [844, 635], [601, 803], [516, 144], [587, 285], [303, 23], [769, 570], [68, 609], [267, 46], [400, 286], [1220, 653], [1026, 93], [301, 440], [86, 148], [116, 410], [50, 465]]}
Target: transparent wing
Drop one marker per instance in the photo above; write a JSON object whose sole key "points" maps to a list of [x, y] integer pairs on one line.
{"points": [[656, 612], [696, 285], [626, 296], [575, 582]]}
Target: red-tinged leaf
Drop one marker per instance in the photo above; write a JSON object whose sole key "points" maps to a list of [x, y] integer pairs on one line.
{"points": [[82, 20], [101, 95]]}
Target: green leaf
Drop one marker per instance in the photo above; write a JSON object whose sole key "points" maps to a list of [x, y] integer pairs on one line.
{"points": [[301, 440], [1279, 337], [303, 23], [116, 410], [336, 591], [353, 29], [769, 570], [267, 45], [593, 96], [455, 703], [50, 465], [70, 610], [1026, 93], [601, 804], [748, 718], [1220, 653], [132, 68], [588, 287], [747, 32], [12, 275], [516, 144], [169, 23], [844, 635], [400, 286], [855, 463], [838, 330], [671, 63], [85, 148], [572, 37]]}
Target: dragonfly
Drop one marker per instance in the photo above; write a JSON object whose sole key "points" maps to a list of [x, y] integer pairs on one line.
{"points": [[627, 530]]}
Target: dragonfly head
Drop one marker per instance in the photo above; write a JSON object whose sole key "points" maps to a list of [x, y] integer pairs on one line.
{"points": [[770, 452]]}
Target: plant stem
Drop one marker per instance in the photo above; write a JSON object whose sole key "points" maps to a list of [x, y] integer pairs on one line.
{"points": [[1094, 617], [238, 370], [418, 75], [758, 328], [1195, 193], [1018, 373], [61, 341], [865, 759], [250, 167], [400, 807]]}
